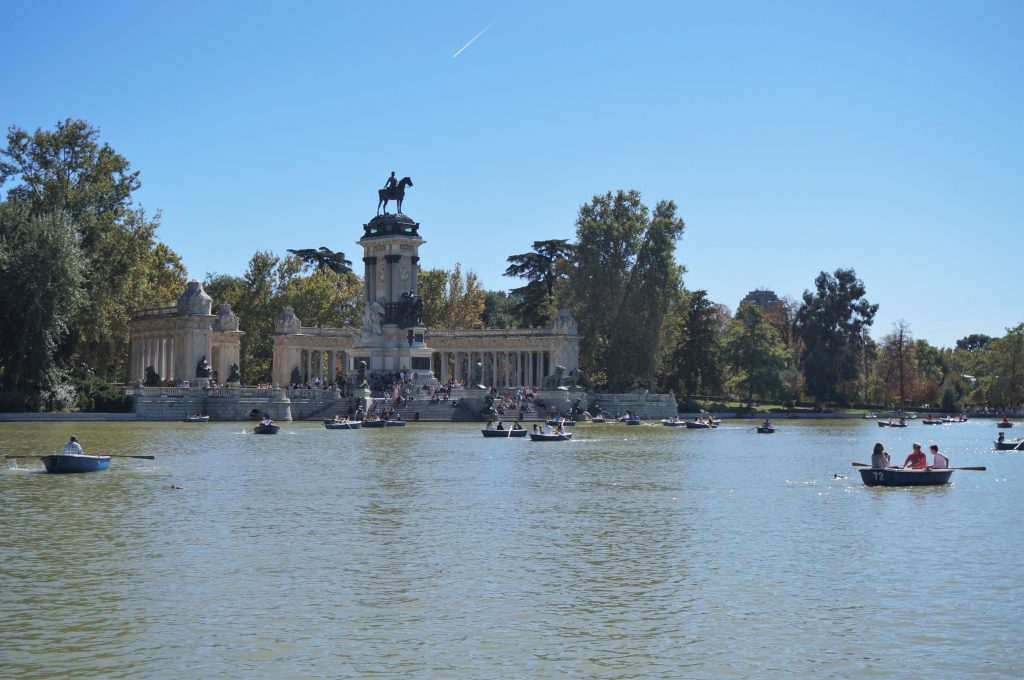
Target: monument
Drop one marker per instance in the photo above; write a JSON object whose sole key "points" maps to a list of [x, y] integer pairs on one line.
{"points": [[392, 337]]}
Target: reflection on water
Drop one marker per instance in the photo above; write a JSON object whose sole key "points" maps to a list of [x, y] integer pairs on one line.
{"points": [[428, 551]]}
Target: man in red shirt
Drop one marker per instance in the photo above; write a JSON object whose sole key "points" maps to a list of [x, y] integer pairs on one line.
{"points": [[916, 459]]}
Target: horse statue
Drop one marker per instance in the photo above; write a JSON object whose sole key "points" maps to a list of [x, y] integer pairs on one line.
{"points": [[395, 194]]}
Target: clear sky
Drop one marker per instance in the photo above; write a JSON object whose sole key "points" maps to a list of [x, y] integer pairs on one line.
{"points": [[795, 136]]}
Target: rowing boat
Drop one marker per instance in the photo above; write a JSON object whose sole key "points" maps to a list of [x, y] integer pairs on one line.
{"points": [[1012, 445], [266, 429], [342, 425], [504, 434], [761, 429], [60, 463], [553, 437], [905, 477]]}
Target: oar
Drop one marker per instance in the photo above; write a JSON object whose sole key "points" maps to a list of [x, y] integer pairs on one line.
{"points": [[980, 468], [107, 455]]}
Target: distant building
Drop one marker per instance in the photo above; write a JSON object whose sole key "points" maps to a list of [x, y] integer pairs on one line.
{"points": [[766, 300]]}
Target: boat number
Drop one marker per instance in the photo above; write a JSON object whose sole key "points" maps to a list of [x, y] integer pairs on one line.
{"points": [[879, 476]]}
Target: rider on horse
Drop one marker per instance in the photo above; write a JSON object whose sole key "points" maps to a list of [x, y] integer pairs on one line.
{"points": [[392, 182]]}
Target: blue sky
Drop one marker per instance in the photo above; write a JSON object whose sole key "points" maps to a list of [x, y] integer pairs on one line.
{"points": [[795, 137]]}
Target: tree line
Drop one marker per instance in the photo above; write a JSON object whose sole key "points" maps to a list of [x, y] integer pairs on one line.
{"points": [[78, 256]]}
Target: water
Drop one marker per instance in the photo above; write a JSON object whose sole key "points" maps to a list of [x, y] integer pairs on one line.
{"points": [[430, 552]]}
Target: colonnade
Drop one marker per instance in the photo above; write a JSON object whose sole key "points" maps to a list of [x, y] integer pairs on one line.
{"points": [[155, 352], [500, 368], [326, 364]]}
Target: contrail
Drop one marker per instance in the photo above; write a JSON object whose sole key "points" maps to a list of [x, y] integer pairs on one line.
{"points": [[474, 38]]}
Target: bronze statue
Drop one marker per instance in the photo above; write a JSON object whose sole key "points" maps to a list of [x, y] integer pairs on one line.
{"points": [[392, 191], [203, 369], [233, 375]]}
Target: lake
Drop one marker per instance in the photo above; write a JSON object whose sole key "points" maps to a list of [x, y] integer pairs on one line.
{"points": [[430, 552]]}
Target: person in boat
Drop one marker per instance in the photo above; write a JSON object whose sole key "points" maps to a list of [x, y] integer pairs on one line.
{"points": [[938, 459], [547, 429], [72, 448], [516, 426], [561, 428], [916, 460], [501, 426], [536, 430], [1005, 420], [879, 457], [1002, 437], [490, 424], [266, 421], [767, 423]]}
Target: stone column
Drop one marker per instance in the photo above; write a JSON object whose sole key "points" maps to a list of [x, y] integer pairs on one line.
{"points": [[332, 366], [494, 369], [370, 277], [392, 280], [414, 272]]}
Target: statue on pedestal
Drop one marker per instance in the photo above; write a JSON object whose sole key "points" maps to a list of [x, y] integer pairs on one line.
{"points": [[233, 375], [361, 376], [394, 190], [152, 377], [203, 369]]}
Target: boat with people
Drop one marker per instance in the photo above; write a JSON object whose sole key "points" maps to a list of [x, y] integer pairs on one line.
{"points": [[1009, 444], [892, 423], [765, 429], [1004, 423], [706, 424], [504, 434], [599, 419], [550, 436], [343, 424], [266, 426], [197, 419], [905, 476], [928, 420], [555, 422], [394, 423], [65, 463], [374, 422], [673, 422]]}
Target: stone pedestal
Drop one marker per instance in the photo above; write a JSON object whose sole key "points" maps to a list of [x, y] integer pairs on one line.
{"points": [[562, 398], [203, 383]]}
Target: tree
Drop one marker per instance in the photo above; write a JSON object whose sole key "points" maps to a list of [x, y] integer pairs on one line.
{"points": [[898, 362], [324, 259], [69, 170], [501, 309], [830, 324], [546, 265], [973, 342], [451, 301], [622, 282], [1007, 367], [41, 277], [756, 353], [697, 356]]}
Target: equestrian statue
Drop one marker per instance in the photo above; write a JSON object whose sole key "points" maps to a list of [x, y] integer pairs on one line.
{"points": [[394, 190]]}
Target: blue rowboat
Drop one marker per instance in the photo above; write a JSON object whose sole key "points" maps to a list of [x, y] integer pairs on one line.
{"points": [[394, 423], [701, 424], [374, 423], [673, 423], [59, 463], [905, 477], [761, 429], [348, 425], [266, 429], [554, 422], [504, 434]]}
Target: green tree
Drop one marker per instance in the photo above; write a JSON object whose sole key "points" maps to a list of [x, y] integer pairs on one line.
{"points": [[543, 268], [756, 354], [830, 324], [654, 283], [622, 283], [697, 357], [324, 259], [501, 309], [1007, 368], [451, 300], [41, 275], [68, 169]]}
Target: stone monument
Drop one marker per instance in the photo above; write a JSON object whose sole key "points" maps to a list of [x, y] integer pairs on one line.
{"points": [[392, 337]]}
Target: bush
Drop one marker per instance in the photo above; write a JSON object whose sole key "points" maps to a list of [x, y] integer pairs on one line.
{"points": [[97, 395]]}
